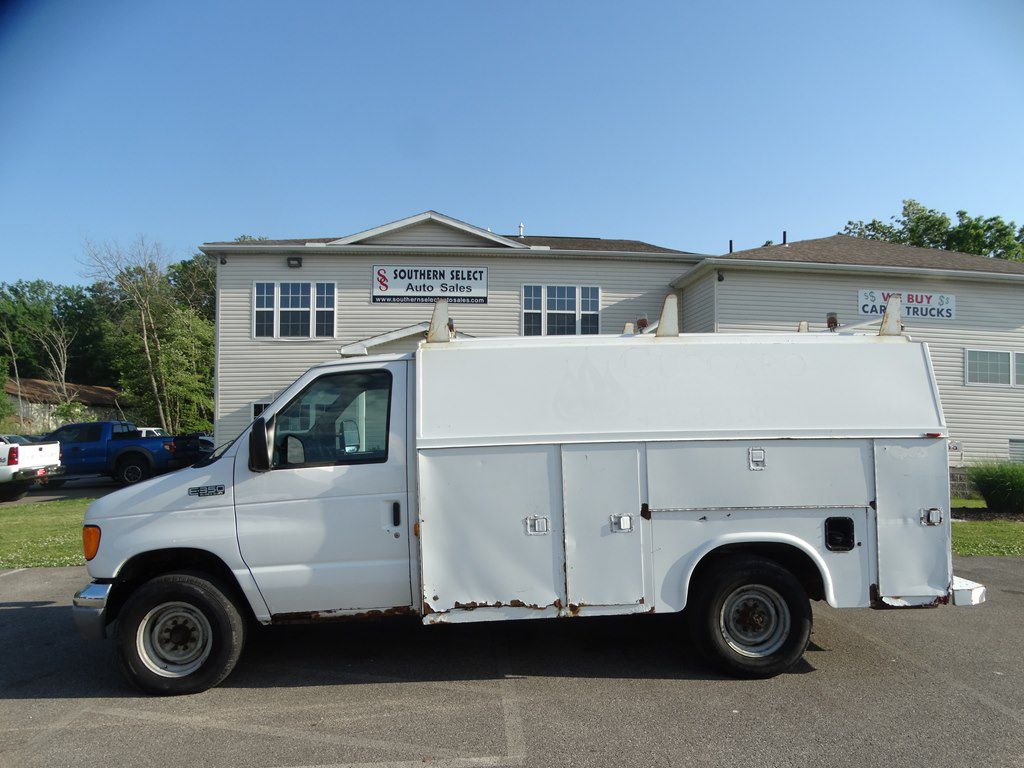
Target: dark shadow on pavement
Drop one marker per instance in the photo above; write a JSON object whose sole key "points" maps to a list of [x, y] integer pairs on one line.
{"points": [[45, 658]]}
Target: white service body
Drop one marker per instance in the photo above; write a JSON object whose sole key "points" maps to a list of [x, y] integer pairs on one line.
{"points": [[543, 477]]}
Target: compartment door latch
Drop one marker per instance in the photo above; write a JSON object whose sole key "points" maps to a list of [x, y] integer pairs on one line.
{"points": [[537, 525], [756, 459], [931, 516]]}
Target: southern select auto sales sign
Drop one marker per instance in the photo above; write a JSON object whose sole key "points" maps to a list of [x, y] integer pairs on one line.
{"points": [[404, 284], [937, 306]]}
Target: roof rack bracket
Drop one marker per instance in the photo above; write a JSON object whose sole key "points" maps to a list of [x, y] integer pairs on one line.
{"points": [[668, 323], [438, 331], [891, 324]]}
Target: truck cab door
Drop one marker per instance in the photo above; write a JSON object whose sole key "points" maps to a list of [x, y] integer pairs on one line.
{"points": [[83, 450], [326, 529]]}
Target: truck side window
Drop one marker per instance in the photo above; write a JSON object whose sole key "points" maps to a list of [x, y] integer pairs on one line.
{"points": [[338, 419]]}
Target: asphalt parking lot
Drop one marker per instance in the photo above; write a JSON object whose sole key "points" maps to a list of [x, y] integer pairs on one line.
{"points": [[79, 488], [942, 687]]}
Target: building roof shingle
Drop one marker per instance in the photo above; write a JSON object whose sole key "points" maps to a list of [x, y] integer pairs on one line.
{"points": [[551, 241], [845, 249], [42, 391]]}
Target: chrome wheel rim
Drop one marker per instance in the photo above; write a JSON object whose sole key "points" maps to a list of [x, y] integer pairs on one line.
{"points": [[174, 639], [755, 620], [132, 473]]}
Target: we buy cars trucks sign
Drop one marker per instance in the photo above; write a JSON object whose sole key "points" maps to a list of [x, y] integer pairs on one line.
{"points": [[404, 284], [919, 304]]}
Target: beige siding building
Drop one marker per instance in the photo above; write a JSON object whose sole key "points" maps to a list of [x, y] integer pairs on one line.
{"points": [[970, 310], [274, 321], [286, 305]]}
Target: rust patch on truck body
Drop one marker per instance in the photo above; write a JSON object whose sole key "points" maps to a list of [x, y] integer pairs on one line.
{"points": [[312, 617], [895, 602]]}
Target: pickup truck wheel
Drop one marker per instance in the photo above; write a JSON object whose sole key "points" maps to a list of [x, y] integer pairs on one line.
{"points": [[179, 633], [131, 470], [52, 484], [14, 491], [750, 617]]}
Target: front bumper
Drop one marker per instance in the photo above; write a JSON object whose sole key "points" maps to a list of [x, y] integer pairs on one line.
{"points": [[34, 473], [89, 610]]}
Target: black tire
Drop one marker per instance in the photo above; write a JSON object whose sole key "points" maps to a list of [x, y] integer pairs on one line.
{"points": [[173, 607], [53, 484], [131, 470], [749, 616], [14, 491]]}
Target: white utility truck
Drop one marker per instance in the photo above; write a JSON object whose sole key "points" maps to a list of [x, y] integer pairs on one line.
{"points": [[736, 476], [22, 463]]}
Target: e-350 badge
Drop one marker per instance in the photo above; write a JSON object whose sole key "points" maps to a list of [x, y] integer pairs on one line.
{"points": [[206, 490]]}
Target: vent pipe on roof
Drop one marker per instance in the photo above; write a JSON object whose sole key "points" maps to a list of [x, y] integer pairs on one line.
{"points": [[784, 237], [521, 227], [730, 246]]}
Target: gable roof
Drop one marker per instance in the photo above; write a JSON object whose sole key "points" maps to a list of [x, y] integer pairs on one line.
{"points": [[391, 236], [845, 249], [42, 391], [419, 218], [594, 244]]}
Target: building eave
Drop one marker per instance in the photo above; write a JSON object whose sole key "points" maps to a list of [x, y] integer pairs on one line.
{"points": [[363, 347], [710, 264], [255, 249]]}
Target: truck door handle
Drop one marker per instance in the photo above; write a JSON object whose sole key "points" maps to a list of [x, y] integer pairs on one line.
{"points": [[396, 514]]}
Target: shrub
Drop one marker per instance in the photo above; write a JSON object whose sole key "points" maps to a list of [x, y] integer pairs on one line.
{"points": [[1001, 484]]}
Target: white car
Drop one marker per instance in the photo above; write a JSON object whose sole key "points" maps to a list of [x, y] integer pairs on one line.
{"points": [[23, 462], [152, 432]]}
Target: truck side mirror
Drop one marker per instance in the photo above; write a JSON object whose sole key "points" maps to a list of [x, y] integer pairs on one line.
{"points": [[261, 441]]}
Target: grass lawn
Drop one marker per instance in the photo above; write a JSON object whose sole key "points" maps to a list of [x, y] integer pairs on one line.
{"points": [[45, 534], [989, 537], [50, 534], [968, 503]]}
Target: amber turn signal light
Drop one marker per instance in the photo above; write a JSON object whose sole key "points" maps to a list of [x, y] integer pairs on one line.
{"points": [[90, 540]]}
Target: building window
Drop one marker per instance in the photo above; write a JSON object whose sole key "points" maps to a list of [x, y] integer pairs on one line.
{"points": [[989, 367], [293, 310], [325, 310], [264, 304], [561, 310]]}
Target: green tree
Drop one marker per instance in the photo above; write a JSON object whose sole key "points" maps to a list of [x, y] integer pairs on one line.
{"points": [[159, 331], [194, 285], [928, 228]]}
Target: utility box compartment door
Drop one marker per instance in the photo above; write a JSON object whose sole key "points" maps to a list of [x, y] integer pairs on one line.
{"points": [[912, 479], [491, 543], [603, 531]]}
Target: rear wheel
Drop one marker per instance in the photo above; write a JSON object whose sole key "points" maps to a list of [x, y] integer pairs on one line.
{"points": [[179, 633], [750, 616], [131, 470], [14, 490]]}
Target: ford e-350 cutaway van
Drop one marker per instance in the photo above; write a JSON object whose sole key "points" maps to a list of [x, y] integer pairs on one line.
{"points": [[736, 476]]}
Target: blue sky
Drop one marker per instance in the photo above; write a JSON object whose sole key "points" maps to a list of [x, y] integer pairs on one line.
{"points": [[677, 123]]}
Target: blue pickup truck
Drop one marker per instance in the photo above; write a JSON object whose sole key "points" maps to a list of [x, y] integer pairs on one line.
{"points": [[116, 449]]}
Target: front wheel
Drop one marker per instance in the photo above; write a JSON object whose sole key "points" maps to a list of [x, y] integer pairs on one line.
{"points": [[750, 617], [131, 470], [179, 633]]}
